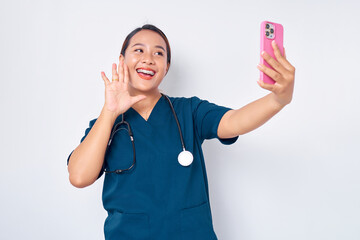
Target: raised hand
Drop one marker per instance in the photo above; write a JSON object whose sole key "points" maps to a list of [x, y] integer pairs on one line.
{"points": [[283, 74], [117, 96]]}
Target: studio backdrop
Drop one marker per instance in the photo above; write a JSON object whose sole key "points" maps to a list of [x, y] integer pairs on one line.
{"points": [[296, 177]]}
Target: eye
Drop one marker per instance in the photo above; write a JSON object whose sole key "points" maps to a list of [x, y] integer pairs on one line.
{"points": [[159, 53], [138, 50]]}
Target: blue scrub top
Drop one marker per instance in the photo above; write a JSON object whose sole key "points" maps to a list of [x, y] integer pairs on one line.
{"points": [[160, 199]]}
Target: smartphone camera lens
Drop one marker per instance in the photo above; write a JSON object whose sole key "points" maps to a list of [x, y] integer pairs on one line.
{"points": [[267, 26], [267, 33], [272, 30]]}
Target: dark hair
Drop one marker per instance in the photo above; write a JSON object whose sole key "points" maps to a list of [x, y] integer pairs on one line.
{"points": [[152, 28]]}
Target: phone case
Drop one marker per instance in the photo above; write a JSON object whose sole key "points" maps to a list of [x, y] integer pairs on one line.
{"points": [[270, 31]]}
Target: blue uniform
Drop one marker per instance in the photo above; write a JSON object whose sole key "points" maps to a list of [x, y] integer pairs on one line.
{"points": [[160, 199]]}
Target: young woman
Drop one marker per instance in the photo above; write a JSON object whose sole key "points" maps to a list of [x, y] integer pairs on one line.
{"points": [[150, 191]]}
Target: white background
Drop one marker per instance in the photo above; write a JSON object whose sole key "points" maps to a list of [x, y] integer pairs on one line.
{"points": [[296, 177]]}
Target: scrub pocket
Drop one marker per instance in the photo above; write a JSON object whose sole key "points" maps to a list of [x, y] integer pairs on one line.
{"points": [[196, 223], [131, 226]]}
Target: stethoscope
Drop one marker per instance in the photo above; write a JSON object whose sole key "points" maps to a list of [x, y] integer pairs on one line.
{"points": [[185, 158]]}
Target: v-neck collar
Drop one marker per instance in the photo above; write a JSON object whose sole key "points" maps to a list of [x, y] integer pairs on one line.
{"points": [[153, 111]]}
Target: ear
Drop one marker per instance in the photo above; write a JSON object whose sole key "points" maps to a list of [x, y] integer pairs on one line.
{"points": [[121, 57], [167, 68]]}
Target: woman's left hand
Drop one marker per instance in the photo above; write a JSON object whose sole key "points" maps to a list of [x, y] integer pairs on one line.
{"points": [[283, 74]]}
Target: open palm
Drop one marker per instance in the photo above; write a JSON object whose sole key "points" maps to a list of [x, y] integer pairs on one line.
{"points": [[117, 96]]}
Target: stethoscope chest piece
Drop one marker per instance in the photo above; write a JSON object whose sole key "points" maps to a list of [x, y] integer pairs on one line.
{"points": [[185, 158]]}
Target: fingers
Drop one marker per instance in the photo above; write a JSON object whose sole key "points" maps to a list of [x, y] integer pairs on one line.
{"points": [[282, 69], [115, 75], [277, 53], [122, 73], [282, 58], [106, 80], [126, 74], [277, 77], [121, 70], [273, 63], [266, 86]]}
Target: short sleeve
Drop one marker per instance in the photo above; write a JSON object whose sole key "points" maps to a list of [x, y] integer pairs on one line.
{"points": [[207, 117], [91, 124]]}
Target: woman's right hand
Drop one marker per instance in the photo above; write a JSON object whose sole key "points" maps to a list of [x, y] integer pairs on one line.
{"points": [[117, 96]]}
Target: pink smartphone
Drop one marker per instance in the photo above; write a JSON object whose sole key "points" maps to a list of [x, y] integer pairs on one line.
{"points": [[270, 31]]}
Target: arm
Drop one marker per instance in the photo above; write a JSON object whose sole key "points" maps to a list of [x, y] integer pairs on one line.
{"points": [[248, 118], [255, 114], [87, 159]]}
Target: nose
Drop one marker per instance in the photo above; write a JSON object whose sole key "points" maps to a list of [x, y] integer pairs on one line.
{"points": [[148, 59]]}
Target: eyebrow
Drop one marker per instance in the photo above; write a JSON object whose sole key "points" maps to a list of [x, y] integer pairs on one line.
{"points": [[140, 44]]}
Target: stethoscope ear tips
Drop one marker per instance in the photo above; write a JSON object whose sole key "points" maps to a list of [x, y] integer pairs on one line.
{"points": [[185, 158]]}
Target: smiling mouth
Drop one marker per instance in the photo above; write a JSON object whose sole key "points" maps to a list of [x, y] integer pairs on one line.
{"points": [[146, 74]]}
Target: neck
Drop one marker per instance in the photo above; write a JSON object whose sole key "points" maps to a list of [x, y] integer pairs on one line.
{"points": [[145, 106]]}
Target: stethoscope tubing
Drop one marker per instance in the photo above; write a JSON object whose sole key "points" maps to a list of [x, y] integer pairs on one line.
{"points": [[177, 121], [187, 160]]}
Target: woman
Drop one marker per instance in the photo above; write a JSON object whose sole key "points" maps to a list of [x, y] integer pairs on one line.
{"points": [[147, 193]]}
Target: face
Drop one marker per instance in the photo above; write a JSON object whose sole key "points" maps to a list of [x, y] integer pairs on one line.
{"points": [[146, 60]]}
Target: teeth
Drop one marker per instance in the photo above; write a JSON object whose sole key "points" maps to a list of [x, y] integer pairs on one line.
{"points": [[146, 71]]}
